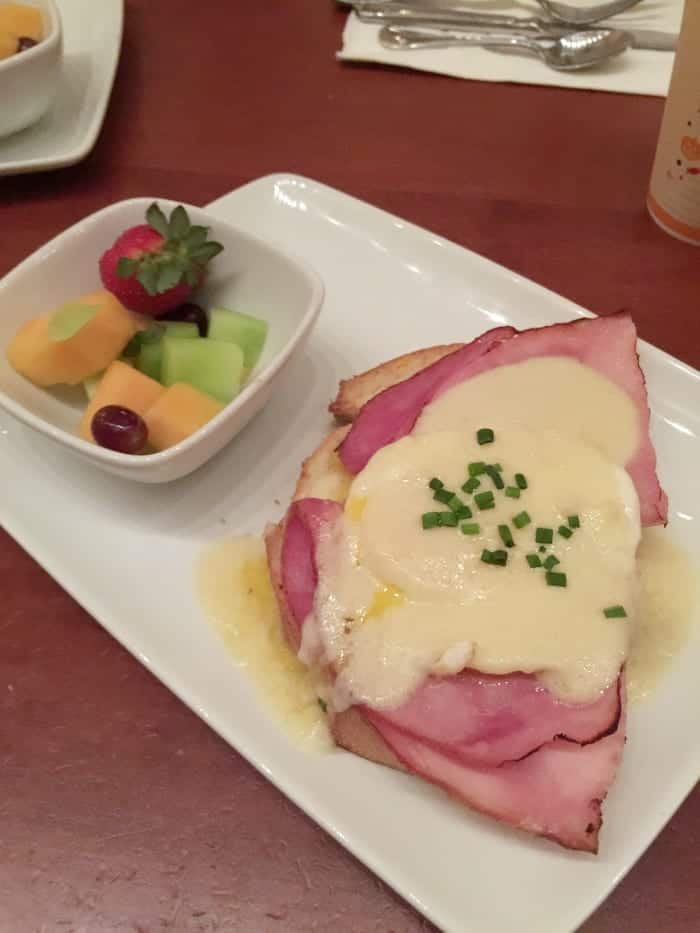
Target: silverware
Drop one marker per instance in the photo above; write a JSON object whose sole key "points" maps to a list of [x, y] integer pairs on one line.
{"points": [[585, 15], [558, 11], [397, 14], [569, 52]]}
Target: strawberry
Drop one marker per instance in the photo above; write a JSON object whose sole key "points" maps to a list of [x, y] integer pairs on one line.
{"points": [[154, 267]]}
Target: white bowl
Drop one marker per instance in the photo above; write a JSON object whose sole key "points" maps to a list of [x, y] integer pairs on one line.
{"points": [[29, 80], [251, 275]]}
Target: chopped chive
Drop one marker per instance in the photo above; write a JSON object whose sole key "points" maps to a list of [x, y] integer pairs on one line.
{"points": [[565, 531], [551, 562], [544, 535], [485, 436], [476, 468], [430, 519], [520, 481], [615, 612], [513, 492], [454, 503], [471, 484], [500, 558], [521, 519], [464, 512], [470, 528], [448, 519], [555, 579], [495, 477], [574, 521], [436, 483], [484, 500], [443, 495], [505, 535], [541, 548], [486, 556], [533, 560]]}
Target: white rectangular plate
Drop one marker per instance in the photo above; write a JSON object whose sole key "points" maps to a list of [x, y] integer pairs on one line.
{"points": [[391, 287], [92, 36]]}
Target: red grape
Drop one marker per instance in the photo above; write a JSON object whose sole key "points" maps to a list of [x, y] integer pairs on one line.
{"points": [[191, 314], [119, 429]]}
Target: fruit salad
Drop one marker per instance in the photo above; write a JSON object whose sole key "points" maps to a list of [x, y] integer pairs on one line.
{"points": [[155, 366], [21, 28]]}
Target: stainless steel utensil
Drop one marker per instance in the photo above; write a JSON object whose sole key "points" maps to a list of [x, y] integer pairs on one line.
{"points": [[570, 52], [430, 16], [585, 15], [558, 11]]}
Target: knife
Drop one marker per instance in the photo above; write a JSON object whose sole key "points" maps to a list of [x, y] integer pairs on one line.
{"points": [[387, 14]]}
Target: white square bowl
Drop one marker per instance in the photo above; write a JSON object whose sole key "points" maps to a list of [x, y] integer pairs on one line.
{"points": [[251, 275], [29, 80]]}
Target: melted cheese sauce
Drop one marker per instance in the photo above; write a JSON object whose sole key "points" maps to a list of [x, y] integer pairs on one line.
{"points": [[394, 599], [541, 394], [668, 590], [234, 588]]}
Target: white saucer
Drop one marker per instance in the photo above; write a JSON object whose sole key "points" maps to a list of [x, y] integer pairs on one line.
{"points": [[92, 34]]}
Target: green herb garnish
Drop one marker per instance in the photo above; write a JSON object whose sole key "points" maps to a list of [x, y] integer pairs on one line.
{"points": [[485, 500], [513, 492], [470, 528], [448, 519], [485, 436], [430, 520], [476, 468], [520, 481], [551, 562], [615, 612], [555, 579], [565, 531], [574, 521], [533, 560], [436, 483], [505, 535], [495, 477], [521, 519], [471, 484], [544, 535]]}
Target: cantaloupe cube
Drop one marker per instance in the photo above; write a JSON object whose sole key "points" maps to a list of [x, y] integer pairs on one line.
{"points": [[180, 411], [125, 386], [46, 361]]}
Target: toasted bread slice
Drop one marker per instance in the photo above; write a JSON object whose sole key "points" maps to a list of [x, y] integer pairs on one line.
{"points": [[355, 392]]}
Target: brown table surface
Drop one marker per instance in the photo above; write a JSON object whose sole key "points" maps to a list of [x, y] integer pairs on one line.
{"points": [[120, 810]]}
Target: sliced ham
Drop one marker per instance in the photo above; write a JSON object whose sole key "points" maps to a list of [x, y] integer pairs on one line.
{"points": [[305, 522], [391, 415], [555, 792], [607, 345], [480, 719]]}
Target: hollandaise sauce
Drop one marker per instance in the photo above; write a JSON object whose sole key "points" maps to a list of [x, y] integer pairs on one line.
{"points": [[502, 534], [236, 594]]}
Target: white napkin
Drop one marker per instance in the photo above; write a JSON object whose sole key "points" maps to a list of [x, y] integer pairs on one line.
{"points": [[635, 72]]}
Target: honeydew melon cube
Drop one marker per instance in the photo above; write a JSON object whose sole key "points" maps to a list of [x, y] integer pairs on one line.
{"points": [[211, 366], [245, 330]]}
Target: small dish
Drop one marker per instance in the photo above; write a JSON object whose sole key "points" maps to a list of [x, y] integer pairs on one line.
{"points": [[251, 274], [92, 36], [28, 80]]}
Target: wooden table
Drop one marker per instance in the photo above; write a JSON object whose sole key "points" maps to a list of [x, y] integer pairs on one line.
{"points": [[121, 811]]}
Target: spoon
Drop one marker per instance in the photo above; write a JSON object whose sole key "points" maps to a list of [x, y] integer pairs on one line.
{"points": [[372, 10], [584, 15], [564, 53]]}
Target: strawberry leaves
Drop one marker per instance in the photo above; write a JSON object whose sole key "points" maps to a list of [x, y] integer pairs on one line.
{"points": [[156, 218], [180, 258]]}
